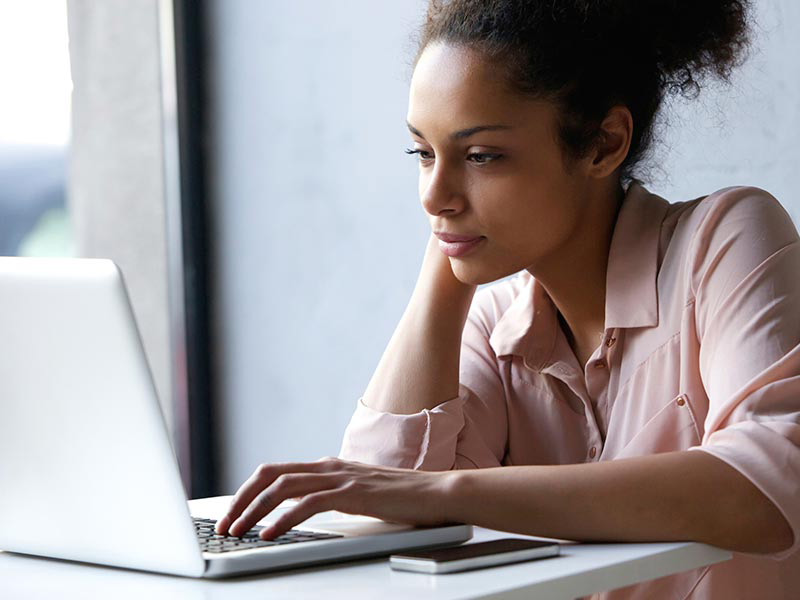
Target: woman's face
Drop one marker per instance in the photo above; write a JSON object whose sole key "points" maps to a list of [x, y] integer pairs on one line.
{"points": [[493, 178]]}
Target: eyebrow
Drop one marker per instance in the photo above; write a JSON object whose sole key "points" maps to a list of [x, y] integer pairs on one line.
{"points": [[463, 133]]}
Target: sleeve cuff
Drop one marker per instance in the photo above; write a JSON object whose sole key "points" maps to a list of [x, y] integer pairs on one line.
{"points": [[425, 440]]}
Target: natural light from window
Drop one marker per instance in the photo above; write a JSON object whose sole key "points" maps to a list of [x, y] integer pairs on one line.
{"points": [[34, 72]]}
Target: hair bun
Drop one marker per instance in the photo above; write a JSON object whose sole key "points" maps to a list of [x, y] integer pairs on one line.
{"points": [[690, 40]]}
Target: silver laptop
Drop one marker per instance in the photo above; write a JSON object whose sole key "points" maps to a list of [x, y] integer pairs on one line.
{"points": [[87, 471]]}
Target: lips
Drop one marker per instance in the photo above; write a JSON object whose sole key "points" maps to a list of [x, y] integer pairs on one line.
{"points": [[452, 237], [455, 245]]}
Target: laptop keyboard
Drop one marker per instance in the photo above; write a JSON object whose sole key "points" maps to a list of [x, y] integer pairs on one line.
{"points": [[211, 542]]}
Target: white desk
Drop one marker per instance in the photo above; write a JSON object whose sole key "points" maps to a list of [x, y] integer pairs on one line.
{"points": [[582, 569]]}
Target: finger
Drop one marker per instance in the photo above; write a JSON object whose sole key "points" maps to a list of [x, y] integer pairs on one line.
{"points": [[262, 477], [285, 486], [309, 506]]}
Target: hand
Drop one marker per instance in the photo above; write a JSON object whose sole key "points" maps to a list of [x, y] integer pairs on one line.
{"points": [[398, 495], [437, 277]]}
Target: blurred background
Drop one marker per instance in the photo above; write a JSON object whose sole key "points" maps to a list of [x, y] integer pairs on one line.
{"points": [[34, 129], [242, 161]]}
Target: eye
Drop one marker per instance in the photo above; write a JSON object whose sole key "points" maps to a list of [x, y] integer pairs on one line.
{"points": [[424, 155], [482, 158]]}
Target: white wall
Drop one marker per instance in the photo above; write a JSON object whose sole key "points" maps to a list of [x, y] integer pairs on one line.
{"points": [[317, 224], [746, 133], [318, 228]]}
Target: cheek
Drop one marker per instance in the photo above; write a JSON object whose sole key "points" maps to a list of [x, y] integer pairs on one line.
{"points": [[531, 226]]}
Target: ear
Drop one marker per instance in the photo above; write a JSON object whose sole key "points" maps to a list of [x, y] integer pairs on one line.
{"points": [[613, 143]]}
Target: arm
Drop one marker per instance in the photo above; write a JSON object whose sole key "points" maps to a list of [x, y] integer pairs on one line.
{"points": [[419, 411], [419, 368], [671, 496]]}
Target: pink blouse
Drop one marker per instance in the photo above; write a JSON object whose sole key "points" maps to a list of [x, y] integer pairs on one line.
{"points": [[701, 352]]}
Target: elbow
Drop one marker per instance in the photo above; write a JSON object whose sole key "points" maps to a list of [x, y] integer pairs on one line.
{"points": [[771, 532], [777, 538], [766, 542], [766, 531], [743, 518]]}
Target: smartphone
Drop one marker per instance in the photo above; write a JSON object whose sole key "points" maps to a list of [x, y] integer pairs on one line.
{"points": [[473, 556]]}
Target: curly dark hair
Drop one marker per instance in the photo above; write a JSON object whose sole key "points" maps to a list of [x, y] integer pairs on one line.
{"points": [[590, 55]]}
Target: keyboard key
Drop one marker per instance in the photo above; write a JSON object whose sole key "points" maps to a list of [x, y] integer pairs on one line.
{"points": [[214, 543]]}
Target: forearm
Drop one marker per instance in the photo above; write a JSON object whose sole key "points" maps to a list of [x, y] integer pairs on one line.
{"points": [[419, 368], [664, 497]]}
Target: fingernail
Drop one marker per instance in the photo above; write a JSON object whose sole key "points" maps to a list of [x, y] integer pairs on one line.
{"points": [[237, 524], [222, 524]]}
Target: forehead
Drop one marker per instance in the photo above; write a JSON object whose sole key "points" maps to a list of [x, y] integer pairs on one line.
{"points": [[455, 87]]}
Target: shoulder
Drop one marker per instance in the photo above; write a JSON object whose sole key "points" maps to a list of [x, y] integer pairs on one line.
{"points": [[734, 207], [732, 231]]}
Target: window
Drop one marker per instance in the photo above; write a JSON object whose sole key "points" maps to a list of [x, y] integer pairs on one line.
{"points": [[34, 129]]}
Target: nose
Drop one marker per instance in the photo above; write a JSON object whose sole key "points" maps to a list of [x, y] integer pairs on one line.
{"points": [[440, 192]]}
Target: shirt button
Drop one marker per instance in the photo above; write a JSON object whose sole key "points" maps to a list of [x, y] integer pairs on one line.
{"points": [[593, 452], [681, 400], [599, 365], [610, 342]]}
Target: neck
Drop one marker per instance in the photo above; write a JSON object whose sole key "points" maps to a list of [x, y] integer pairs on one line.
{"points": [[575, 279]]}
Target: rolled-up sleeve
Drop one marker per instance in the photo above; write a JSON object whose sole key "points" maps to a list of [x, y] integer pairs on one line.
{"points": [[747, 309], [468, 431], [425, 440]]}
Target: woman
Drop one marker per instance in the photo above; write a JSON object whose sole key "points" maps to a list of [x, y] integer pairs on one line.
{"points": [[638, 379]]}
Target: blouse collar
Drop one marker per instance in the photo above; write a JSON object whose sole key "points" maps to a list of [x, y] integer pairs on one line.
{"points": [[530, 325]]}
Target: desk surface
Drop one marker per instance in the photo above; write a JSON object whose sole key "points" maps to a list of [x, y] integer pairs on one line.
{"points": [[581, 569]]}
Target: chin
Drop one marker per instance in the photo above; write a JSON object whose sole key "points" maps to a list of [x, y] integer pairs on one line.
{"points": [[477, 274]]}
